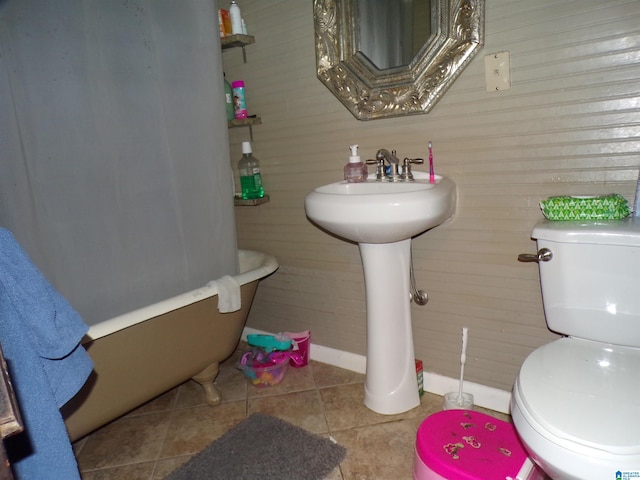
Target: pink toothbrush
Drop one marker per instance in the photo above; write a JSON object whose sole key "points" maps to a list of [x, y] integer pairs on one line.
{"points": [[432, 177]]}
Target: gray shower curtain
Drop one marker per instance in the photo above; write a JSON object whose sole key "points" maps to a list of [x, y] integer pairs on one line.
{"points": [[114, 159]]}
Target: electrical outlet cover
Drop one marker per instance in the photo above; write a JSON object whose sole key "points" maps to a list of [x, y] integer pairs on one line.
{"points": [[496, 72]]}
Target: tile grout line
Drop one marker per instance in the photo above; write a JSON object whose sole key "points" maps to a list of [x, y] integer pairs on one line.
{"points": [[174, 406]]}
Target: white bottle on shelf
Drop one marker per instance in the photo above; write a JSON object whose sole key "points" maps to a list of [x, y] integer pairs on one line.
{"points": [[236, 18]]}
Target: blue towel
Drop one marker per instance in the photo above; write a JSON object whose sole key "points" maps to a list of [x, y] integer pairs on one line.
{"points": [[40, 335]]}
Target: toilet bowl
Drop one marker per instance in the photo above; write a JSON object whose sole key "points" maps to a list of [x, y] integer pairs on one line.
{"points": [[575, 405], [576, 401]]}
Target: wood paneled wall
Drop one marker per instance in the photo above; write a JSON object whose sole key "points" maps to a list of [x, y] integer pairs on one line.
{"points": [[568, 125]]}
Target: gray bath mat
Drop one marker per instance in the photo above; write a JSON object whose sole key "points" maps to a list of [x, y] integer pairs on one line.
{"points": [[263, 448]]}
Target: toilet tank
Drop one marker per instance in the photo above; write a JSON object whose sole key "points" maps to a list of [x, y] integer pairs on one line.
{"points": [[591, 285]]}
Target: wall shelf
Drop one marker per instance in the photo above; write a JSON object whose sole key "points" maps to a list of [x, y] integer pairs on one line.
{"points": [[244, 122], [232, 41], [235, 41], [240, 202]]}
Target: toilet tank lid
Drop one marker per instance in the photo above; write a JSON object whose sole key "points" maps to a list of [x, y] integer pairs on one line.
{"points": [[605, 232]]}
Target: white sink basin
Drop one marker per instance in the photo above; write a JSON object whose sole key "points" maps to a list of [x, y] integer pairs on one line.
{"points": [[382, 212]]}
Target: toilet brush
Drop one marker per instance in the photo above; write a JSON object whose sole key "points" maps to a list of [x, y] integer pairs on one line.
{"points": [[463, 359], [460, 399]]}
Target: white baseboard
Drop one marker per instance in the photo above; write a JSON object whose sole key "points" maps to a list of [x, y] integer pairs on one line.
{"points": [[483, 396]]}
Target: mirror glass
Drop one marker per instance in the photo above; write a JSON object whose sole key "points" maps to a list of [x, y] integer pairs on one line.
{"points": [[376, 76], [392, 32]]}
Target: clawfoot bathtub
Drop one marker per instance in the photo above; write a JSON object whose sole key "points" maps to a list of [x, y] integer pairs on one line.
{"points": [[139, 355]]}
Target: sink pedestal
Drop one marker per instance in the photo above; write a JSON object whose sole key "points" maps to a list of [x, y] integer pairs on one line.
{"points": [[390, 385], [382, 217]]}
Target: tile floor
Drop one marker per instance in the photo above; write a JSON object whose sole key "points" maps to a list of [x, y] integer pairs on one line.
{"points": [[153, 440]]}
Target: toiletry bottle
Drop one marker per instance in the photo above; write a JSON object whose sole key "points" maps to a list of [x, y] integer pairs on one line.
{"points": [[249, 170], [239, 103], [236, 18], [355, 171], [228, 99]]}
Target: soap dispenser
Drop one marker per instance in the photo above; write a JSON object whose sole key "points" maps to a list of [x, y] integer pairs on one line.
{"points": [[355, 171]]}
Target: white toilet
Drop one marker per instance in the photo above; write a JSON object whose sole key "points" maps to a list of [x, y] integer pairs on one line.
{"points": [[576, 401]]}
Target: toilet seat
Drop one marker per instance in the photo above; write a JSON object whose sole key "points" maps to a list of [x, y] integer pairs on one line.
{"points": [[582, 397]]}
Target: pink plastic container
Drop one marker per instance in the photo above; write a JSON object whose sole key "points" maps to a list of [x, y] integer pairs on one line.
{"points": [[301, 341], [266, 375], [467, 445]]}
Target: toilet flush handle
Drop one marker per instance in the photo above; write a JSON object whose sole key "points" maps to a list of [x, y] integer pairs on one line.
{"points": [[543, 255]]}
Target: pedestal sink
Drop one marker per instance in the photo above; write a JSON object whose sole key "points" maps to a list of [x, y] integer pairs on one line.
{"points": [[382, 217]]}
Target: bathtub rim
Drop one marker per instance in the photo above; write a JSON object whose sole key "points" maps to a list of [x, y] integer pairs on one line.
{"points": [[263, 266]]}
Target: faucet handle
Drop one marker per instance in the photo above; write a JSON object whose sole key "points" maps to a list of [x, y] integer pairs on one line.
{"points": [[406, 167], [379, 163]]}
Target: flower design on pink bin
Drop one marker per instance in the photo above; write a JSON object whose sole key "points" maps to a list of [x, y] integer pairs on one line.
{"points": [[473, 441], [452, 449], [505, 451], [490, 426], [465, 425]]}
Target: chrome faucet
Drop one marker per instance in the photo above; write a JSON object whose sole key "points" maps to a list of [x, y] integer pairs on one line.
{"points": [[393, 174], [394, 165], [384, 154]]}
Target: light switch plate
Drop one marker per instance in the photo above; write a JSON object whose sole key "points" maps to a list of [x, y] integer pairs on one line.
{"points": [[496, 72]]}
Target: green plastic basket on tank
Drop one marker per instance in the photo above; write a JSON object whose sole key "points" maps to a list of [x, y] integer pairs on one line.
{"points": [[604, 207]]}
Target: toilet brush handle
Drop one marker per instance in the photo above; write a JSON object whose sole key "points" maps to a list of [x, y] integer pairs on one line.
{"points": [[463, 359], [465, 334]]}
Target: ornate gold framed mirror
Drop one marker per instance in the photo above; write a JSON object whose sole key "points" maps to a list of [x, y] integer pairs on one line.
{"points": [[433, 41]]}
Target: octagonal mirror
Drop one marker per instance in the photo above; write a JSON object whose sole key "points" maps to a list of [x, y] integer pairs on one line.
{"points": [[389, 58]]}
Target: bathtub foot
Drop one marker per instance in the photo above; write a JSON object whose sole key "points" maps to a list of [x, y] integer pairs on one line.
{"points": [[206, 378]]}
